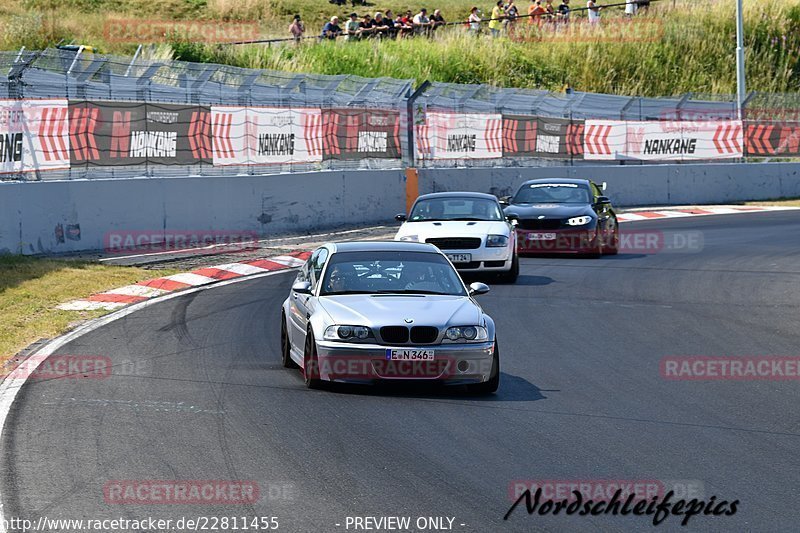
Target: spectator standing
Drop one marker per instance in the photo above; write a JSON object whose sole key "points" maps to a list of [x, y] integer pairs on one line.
{"points": [[331, 29], [353, 28], [366, 27], [631, 8], [549, 12], [593, 10], [379, 26], [497, 19], [474, 20], [535, 10], [297, 28], [563, 12], [437, 20], [512, 13], [388, 19]]}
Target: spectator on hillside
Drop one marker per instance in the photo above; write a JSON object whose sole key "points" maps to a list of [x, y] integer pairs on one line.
{"points": [[437, 20], [474, 20], [535, 10], [512, 13], [352, 28], [550, 11], [563, 12], [331, 29], [631, 8], [497, 19], [402, 26], [593, 11], [644, 5], [388, 19], [297, 28], [421, 22], [379, 26], [337, 2], [366, 26], [354, 2]]}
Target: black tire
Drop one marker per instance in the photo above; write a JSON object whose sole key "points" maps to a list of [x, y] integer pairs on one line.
{"points": [[286, 357], [613, 246], [513, 273], [310, 362], [490, 386]]}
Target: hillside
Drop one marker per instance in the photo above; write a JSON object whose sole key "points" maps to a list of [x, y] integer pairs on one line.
{"points": [[677, 47]]}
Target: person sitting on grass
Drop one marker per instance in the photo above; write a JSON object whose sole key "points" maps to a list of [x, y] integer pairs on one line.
{"points": [[402, 26], [388, 19], [367, 27], [379, 25], [331, 29], [437, 20], [421, 22]]}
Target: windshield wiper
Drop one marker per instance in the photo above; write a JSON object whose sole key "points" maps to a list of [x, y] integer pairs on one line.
{"points": [[339, 293], [473, 218], [412, 291]]}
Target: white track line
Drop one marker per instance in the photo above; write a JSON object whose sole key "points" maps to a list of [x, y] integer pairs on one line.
{"points": [[11, 385]]}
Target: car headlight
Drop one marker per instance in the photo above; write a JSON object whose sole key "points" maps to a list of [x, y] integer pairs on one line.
{"points": [[496, 241], [466, 333], [579, 221], [347, 333], [410, 238]]}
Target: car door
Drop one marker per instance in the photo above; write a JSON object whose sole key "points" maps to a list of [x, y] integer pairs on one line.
{"points": [[304, 305]]}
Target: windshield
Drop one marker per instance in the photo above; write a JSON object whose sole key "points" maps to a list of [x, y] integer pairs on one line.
{"points": [[391, 273], [552, 193], [455, 209]]}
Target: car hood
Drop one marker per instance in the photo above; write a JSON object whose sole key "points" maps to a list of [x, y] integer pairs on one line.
{"points": [[453, 228], [549, 210], [387, 310]]}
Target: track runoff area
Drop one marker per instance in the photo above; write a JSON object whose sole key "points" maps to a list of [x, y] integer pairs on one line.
{"points": [[642, 389]]}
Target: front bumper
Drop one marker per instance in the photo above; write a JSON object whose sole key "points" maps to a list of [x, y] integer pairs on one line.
{"points": [[453, 364], [564, 241], [485, 259]]}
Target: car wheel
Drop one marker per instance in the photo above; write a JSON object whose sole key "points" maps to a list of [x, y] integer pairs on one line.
{"points": [[310, 362], [513, 273], [490, 386], [613, 245], [286, 357]]}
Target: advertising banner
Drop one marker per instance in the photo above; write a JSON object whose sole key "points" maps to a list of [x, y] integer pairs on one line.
{"points": [[535, 136], [779, 139], [34, 135], [361, 134], [134, 133], [266, 135], [461, 136]]}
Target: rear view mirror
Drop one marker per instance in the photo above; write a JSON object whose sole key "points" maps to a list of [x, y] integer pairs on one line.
{"points": [[478, 288], [400, 217]]}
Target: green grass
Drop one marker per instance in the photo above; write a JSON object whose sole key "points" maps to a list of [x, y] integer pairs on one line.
{"points": [[689, 47], [30, 288]]}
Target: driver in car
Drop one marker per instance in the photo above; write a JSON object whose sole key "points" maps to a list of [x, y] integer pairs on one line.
{"points": [[417, 277], [341, 279]]}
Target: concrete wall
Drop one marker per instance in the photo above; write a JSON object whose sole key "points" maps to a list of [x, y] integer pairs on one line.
{"points": [[275, 204], [638, 185]]}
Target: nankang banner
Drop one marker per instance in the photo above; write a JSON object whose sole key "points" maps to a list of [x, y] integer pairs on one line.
{"points": [[34, 135], [665, 140], [134, 133], [535, 137], [266, 135], [361, 134], [460, 136]]}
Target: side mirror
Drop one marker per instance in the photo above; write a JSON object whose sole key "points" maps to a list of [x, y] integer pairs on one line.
{"points": [[478, 288], [603, 186], [302, 287], [602, 200], [401, 217], [513, 218], [504, 200]]}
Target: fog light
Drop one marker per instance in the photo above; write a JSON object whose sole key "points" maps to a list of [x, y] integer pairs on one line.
{"points": [[463, 366]]}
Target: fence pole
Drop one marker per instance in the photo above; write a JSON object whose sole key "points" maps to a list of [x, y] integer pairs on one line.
{"points": [[410, 118]]}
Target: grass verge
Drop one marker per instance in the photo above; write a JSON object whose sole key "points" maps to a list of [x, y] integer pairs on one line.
{"points": [[30, 288], [785, 202]]}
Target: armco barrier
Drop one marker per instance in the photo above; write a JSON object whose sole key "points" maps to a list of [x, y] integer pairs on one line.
{"points": [[77, 215]]}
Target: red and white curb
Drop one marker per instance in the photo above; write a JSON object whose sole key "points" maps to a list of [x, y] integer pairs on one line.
{"points": [[698, 212], [144, 290]]}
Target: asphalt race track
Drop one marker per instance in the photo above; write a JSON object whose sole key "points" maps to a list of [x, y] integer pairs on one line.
{"points": [[197, 392]]}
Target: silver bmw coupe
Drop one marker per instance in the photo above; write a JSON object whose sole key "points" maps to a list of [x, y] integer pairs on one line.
{"points": [[367, 312]]}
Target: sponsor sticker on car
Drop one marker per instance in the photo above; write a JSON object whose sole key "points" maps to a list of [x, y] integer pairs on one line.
{"points": [[406, 354], [460, 258]]}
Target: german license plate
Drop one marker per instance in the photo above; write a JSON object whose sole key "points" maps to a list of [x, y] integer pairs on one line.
{"points": [[541, 236], [460, 258], [406, 354]]}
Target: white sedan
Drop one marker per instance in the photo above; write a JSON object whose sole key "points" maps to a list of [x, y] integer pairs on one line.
{"points": [[469, 227]]}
